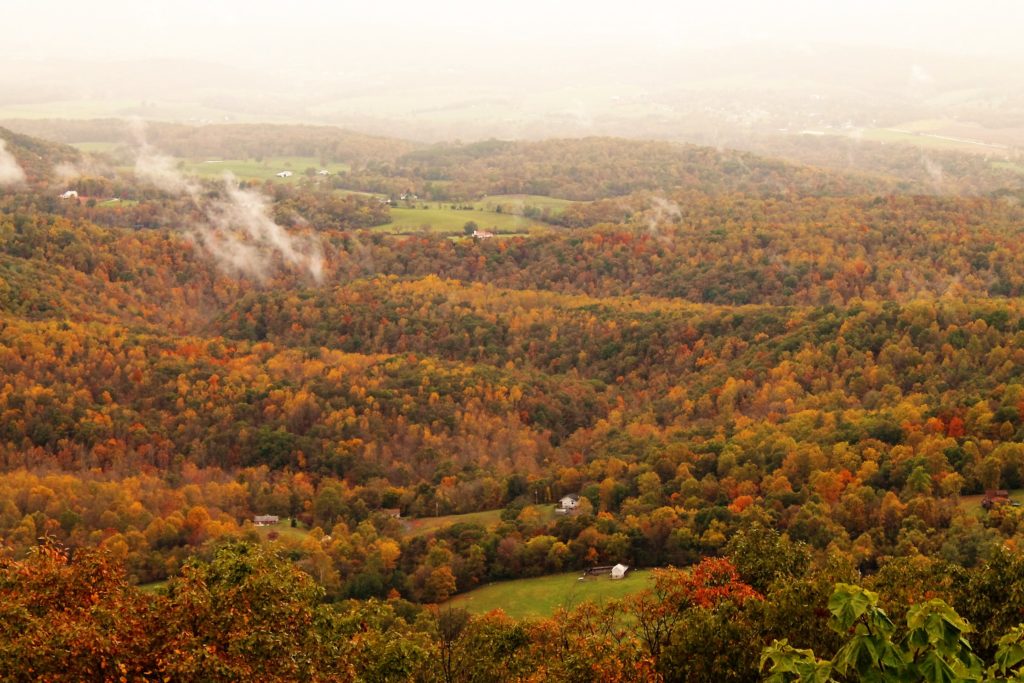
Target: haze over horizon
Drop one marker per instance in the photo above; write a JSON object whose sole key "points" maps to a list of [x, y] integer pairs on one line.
{"points": [[461, 69], [243, 34]]}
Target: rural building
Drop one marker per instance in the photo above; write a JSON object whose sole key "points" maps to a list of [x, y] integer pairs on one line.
{"points": [[323, 171], [70, 194], [995, 497], [284, 174], [615, 572], [568, 503], [482, 234], [265, 520], [392, 512]]}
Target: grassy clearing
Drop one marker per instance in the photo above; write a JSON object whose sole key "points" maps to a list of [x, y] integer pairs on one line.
{"points": [[284, 530], [518, 203], [541, 596], [265, 169], [487, 519], [112, 203], [153, 587], [974, 502], [445, 220], [101, 147], [927, 140], [1009, 166], [426, 525]]}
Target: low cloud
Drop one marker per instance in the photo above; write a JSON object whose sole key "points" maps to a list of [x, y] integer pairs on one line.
{"points": [[10, 172], [663, 213], [237, 228], [65, 171], [920, 76], [935, 173], [240, 233]]}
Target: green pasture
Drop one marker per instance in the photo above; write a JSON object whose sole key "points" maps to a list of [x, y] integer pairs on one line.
{"points": [[441, 218], [974, 502], [284, 529], [154, 587], [541, 596], [487, 519], [114, 203], [519, 203], [925, 140], [426, 525], [1010, 166], [101, 147], [258, 169]]}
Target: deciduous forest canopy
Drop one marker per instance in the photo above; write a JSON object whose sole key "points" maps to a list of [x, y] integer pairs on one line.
{"points": [[725, 384]]}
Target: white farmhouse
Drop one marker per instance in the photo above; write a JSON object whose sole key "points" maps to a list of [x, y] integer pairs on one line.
{"points": [[568, 503], [284, 174]]}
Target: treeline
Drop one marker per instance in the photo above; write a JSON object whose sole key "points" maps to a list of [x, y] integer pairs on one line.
{"points": [[932, 171], [740, 251], [582, 169], [36, 157], [228, 141], [596, 168], [229, 616], [846, 369]]}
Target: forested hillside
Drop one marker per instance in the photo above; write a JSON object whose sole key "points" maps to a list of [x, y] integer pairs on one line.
{"points": [[785, 378]]}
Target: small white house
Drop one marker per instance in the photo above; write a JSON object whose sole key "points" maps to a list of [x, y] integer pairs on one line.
{"points": [[482, 234], [569, 502], [619, 571], [70, 194], [284, 174], [265, 520], [323, 171]]}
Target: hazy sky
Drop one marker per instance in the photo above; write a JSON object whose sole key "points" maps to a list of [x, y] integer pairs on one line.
{"points": [[262, 32]]}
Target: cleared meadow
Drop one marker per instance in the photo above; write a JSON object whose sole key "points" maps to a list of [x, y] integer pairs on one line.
{"points": [[542, 595]]}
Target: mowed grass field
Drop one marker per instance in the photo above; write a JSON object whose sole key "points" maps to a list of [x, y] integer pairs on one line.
{"points": [[252, 169], [974, 502], [284, 529], [541, 596], [442, 219], [934, 141], [487, 519], [243, 169], [1010, 166], [102, 147], [518, 203]]}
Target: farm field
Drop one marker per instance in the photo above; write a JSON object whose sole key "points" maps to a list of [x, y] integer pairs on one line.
{"points": [[153, 587], [284, 530], [451, 221], [934, 141], [486, 519], [517, 203], [541, 596], [974, 502], [101, 147], [1010, 165], [251, 169]]}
